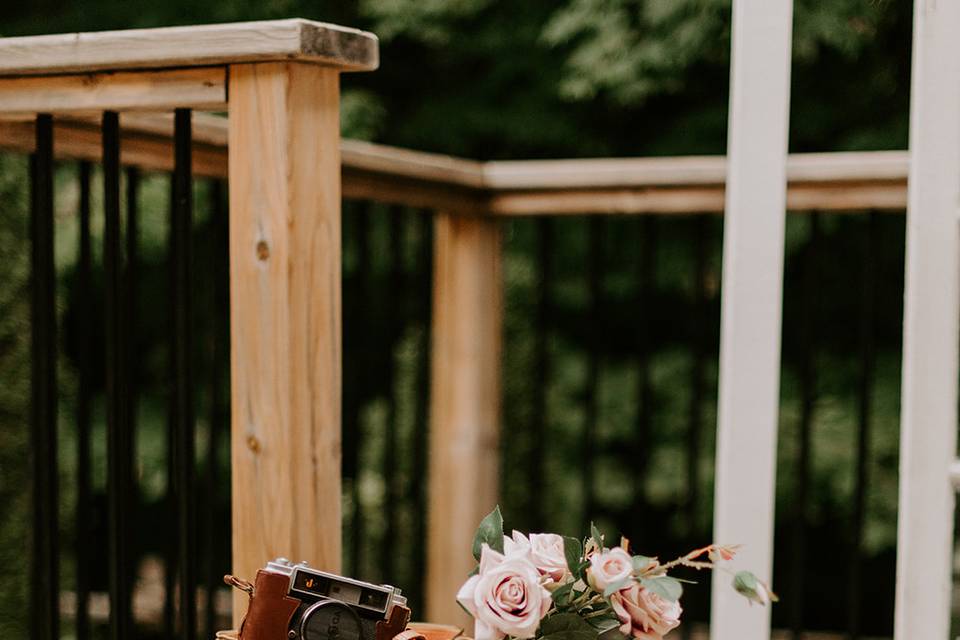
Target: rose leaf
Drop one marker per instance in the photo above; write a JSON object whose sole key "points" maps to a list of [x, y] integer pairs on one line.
{"points": [[561, 595], [617, 586], [604, 623], [597, 536], [573, 551], [490, 532], [664, 586], [563, 623]]}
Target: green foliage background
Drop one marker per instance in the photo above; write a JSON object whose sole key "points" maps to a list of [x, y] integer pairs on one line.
{"points": [[492, 79]]}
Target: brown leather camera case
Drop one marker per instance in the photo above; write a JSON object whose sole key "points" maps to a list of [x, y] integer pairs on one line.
{"points": [[271, 609]]}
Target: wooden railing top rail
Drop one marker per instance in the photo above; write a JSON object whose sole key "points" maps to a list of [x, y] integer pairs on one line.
{"points": [[192, 46], [849, 181]]}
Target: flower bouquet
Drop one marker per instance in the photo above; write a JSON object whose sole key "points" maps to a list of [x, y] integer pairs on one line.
{"points": [[553, 587]]}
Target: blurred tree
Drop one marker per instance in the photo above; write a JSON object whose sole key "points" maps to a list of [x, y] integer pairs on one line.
{"points": [[14, 397], [545, 78]]}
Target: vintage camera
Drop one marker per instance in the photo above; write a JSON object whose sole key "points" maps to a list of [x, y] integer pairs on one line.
{"points": [[296, 602]]}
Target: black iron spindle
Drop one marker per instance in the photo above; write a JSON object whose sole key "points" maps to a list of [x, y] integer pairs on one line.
{"points": [[85, 322], [219, 359], [353, 407], [808, 395], [591, 401], [864, 419], [418, 499], [697, 384], [642, 434], [394, 300], [184, 427], [118, 432], [44, 600], [541, 357]]}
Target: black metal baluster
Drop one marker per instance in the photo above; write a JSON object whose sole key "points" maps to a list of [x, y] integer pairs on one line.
{"points": [[118, 474], [422, 427], [85, 322], [354, 405], [219, 358], [184, 427], [541, 357], [45, 570], [864, 416], [591, 401], [697, 384], [394, 298], [808, 395], [697, 387], [642, 435]]}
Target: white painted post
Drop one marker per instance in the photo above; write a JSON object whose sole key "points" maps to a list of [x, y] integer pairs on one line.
{"points": [[928, 420], [751, 306]]}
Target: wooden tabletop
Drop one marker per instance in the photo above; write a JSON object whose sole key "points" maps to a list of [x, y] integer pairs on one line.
{"points": [[203, 45]]}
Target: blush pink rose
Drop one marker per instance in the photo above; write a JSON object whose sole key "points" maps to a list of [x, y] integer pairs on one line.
{"points": [[609, 567], [545, 550], [505, 597], [643, 614]]}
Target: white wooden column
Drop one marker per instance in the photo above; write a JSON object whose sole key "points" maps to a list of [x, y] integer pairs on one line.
{"points": [[751, 305], [928, 422]]}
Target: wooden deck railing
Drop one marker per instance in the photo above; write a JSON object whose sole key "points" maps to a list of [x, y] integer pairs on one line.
{"points": [[279, 149], [840, 182]]}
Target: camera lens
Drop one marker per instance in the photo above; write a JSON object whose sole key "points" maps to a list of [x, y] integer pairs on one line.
{"points": [[330, 620]]}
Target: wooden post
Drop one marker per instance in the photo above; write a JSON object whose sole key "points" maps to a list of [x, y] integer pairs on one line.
{"points": [[928, 420], [285, 315], [464, 403], [753, 244]]}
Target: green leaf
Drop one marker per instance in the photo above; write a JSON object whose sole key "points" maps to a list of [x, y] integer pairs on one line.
{"points": [[562, 594], [571, 635], [573, 551], [640, 563], [616, 586], [565, 623], [664, 586], [604, 623], [597, 536], [490, 532], [745, 582]]}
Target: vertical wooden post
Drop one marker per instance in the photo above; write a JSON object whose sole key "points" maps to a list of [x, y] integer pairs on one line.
{"points": [[464, 402], [753, 244], [928, 420], [285, 315]]}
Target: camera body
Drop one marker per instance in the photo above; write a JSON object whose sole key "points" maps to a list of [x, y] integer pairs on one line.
{"points": [[296, 602]]}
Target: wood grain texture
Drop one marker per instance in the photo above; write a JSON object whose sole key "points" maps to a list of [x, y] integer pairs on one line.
{"points": [[464, 402], [274, 40], [285, 293], [199, 88], [839, 182], [81, 141]]}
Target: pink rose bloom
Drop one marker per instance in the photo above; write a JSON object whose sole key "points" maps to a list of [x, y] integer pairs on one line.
{"points": [[505, 597], [643, 614], [609, 567], [545, 550]]}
